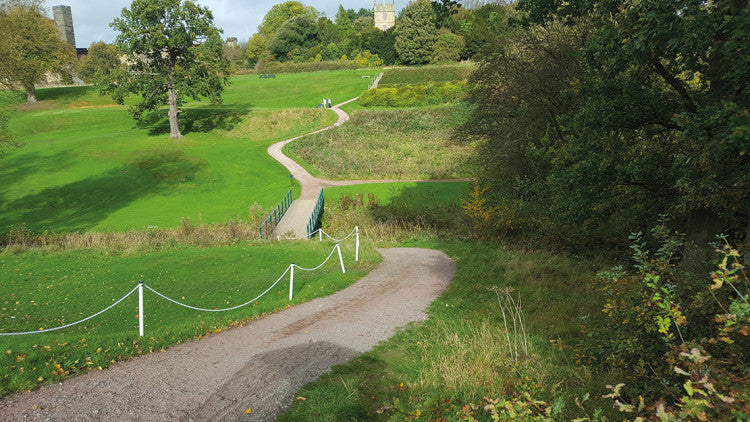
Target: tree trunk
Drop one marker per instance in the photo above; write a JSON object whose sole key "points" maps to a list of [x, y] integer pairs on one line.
{"points": [[30, 94], [174, 112], [702, 228]]}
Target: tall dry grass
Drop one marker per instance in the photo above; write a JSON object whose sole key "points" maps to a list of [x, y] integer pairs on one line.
{"points": [[21, 239]]}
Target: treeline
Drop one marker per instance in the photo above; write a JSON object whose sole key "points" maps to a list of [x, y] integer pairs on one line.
{"points": [[425, 32], [600, 117]]}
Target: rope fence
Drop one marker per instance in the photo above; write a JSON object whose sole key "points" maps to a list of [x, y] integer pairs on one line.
{"points": [[141, 287]]}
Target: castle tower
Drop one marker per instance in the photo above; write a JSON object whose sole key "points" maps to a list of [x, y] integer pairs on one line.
{"points": [[64, 21], [384, 15]]}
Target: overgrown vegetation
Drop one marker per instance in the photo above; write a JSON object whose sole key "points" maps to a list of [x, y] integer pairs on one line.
{"points": [[412, 95], [388, 144]]}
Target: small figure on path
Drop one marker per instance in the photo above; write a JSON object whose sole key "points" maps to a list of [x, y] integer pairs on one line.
{"points": [[329, 103], [324, 102]]}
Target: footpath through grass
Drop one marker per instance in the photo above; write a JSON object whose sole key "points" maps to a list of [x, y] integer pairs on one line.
{"points": [[86, 165], [44, 290], [445, 367]]}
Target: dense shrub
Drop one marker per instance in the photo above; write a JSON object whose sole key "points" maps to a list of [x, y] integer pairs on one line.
{"points": [[412, 95], [293, 67]]}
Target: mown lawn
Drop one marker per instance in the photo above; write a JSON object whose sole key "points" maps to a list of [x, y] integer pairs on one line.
{"points": [[45, 290], [84, 164]]}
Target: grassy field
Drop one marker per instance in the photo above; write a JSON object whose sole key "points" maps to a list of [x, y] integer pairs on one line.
{"points": [[86, 165], [44, 290], [388, 144]]}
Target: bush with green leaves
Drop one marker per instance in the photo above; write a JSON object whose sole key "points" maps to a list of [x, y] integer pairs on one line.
{"points": [[412, 95]]}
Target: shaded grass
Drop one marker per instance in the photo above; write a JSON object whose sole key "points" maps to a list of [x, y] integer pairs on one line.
{"points": [[388, 144], [43, 290], [92, 171]]}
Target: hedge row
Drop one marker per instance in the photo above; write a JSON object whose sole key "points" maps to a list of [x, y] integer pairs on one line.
{"points": [[412, 95]]}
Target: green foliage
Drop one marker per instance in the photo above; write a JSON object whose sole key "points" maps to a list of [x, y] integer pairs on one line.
{"points": [[658, 82], [181, 58], [412, 95], [100, 64], [448, 47], [294, 38], [29, 46], [416, 33], [281, 13]]}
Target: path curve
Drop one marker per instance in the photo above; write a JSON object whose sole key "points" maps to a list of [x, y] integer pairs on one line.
{"points": [[296, 218], [258, 366]]}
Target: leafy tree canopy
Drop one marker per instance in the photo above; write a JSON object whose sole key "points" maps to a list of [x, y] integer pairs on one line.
{"points": [[281, 13], [295, 35], [174, 52], [416, 33]]}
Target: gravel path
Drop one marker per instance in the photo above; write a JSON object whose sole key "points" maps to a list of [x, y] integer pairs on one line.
{"points": [[258, 366]]}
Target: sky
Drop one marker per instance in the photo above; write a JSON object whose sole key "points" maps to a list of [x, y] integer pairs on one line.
{"points": [[238, 18]]}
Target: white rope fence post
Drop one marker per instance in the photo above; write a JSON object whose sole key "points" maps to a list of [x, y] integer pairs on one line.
{"points": [[291, 280], [320, 234], [338, 248], [356, 250], [140, 308]]}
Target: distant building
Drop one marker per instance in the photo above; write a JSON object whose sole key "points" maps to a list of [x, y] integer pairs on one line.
{"points": [[384, 16], [64, 21], [231, 42]]}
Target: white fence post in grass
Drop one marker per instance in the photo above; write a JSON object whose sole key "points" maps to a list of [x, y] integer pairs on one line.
{"points": [[356, 250], [320, 234], [338, 247], [291, 280], [140, 308]]}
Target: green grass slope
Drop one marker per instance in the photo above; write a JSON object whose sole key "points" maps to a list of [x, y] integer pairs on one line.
{"points": [[86, 165]]}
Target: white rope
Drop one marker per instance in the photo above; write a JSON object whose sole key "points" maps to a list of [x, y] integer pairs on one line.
{"points": [[73, 323], [313, 269], [354, 230], [338, 240], [225, 309]]}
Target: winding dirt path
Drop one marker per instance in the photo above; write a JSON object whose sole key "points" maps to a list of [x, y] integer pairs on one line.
{"points": [[258, 366], [295, 219]]}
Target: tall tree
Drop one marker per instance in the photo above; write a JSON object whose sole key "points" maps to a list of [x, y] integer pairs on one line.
{"points": [[29, 46], [295, 37], [174, 51], [100, 63], [416, 33], [281, 13], [680, 70]]}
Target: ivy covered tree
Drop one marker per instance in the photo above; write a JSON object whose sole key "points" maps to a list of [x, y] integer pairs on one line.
{"points": [[29, 46], [174, 52], [416, 33]]}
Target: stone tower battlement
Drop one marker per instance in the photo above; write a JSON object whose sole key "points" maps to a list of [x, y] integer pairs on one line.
{"points": [[384, 15], [64, 20]]}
